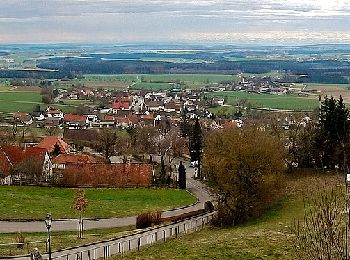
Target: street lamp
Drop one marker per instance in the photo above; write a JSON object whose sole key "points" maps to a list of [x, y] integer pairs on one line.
{"points": [[48, 223]]}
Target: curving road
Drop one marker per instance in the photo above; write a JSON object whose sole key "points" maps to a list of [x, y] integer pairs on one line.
{"points": [[195, 187]]}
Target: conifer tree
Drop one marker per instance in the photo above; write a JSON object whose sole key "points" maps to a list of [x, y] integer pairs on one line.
{"points": [[333, 134]]}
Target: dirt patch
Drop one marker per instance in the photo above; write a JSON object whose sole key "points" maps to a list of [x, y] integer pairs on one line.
{"points": [[334, 91]]}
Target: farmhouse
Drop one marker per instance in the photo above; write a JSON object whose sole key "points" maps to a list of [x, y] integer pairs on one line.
{"points": [[74, 121], [49, 143], [16, 165]]}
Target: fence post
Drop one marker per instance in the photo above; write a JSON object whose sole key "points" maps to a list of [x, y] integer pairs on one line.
{"points": [[164, 235]]}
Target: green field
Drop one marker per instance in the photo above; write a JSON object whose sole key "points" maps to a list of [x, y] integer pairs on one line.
{"points": [[268, 237], [159, 81], [287, 102], [35, 202], [152, 86], [12, 101]]}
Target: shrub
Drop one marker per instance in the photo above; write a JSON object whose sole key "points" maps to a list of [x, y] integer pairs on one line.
{"points": [[20, 239], [208, 206], [148, 219], [244, 166]]}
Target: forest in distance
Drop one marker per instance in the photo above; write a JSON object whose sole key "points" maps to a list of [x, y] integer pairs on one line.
{"points": [[303, 64]]}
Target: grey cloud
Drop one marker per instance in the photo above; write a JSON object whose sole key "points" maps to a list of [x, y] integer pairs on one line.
{"points": [[164, 19]]}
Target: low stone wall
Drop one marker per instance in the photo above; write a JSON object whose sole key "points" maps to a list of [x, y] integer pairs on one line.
{"points": [[122, 245]]}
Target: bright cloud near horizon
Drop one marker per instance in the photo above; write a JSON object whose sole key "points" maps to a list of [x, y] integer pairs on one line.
{"points": [[98, 21]]}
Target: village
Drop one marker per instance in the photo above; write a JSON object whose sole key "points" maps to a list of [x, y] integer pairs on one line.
{"points": [[71, 152]]}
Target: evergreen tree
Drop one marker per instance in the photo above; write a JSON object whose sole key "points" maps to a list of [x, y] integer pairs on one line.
{"points": [[333, 134], [185, 126], [196, 141], [196, 144]]}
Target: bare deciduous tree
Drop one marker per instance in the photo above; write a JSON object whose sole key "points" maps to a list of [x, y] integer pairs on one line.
{"points": [[80, 204], [323, 232]]}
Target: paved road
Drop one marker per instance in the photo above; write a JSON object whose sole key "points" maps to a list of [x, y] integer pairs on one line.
{"points": [[194, 186]]}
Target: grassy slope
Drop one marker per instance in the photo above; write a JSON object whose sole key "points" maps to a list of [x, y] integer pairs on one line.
{"points": [[35, 202], [268, 237]]}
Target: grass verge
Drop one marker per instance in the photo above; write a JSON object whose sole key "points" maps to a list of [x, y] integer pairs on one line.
{"points": [[34, 202], [60, 240]]}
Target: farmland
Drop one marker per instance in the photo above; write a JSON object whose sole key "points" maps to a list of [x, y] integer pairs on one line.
{"points": [[285, 102], [12, 101], [158, 81], [35, 202]]}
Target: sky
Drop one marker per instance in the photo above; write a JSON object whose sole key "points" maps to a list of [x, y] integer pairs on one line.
{"points": [[107, 21]]}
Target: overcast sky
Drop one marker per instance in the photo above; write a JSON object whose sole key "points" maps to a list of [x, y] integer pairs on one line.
{"points": [[99, 21]]}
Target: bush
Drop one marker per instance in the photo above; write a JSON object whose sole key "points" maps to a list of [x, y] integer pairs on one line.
{"points": [[20, 240], [148, 219], [244, 166], [208, 206]]}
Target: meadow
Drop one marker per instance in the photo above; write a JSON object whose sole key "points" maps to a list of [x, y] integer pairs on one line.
{"points": [[11, 101], [34, 202], [268, 237], [159, 81], [283, 102]]}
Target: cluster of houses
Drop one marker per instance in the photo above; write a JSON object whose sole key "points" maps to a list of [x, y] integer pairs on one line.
{"points": [[125, 109], [58, 165], [253, 85]]}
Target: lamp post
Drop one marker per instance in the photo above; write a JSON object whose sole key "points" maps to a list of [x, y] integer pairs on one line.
{"points": [[48, 223]]}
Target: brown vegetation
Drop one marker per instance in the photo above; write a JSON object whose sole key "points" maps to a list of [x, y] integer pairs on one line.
{"points": [[245, 168]]}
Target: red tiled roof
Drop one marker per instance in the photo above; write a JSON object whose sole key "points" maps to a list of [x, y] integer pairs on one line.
{"points": [[49, 143], [73, 158], [74, 118], [109, 118], [121, 105], [11, 155]]}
